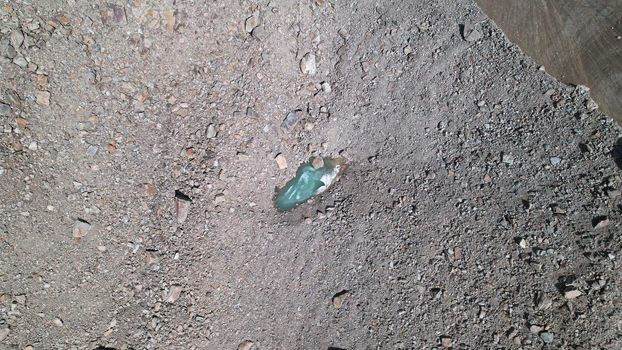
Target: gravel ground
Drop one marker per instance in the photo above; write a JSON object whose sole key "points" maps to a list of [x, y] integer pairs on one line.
{"points": [[141, 143]]}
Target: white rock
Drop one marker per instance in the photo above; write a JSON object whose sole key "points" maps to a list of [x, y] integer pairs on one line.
{"points": [[307, 64]]}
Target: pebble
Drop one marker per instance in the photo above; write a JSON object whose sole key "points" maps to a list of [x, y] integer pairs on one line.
{"points": [[33, 146], [246, 345], [81, 228], [600, 222], [307, 64], [211, 131], [251, 23], [58, 322], [555, 160], [182, 206], [546, 337], [173, 294], [572, 294], [20, 61], [169, 16], [281, 161], [535, 329], [43, 98], [340, 298], [471, 34], [326, 87]]}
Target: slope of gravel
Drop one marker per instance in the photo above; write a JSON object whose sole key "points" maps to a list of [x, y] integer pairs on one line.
{"points": [[481, 207]]}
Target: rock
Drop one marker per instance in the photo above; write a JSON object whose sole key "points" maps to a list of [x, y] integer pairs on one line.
{"points": [[182, 206], [523, 243], [20, 61], [169, 16], [16, 38], [211, 131], [251, 23], [91, 151], [471, 33], [292, 119], [555, 160], [173, 294], [307, 64], [281, 161], [33, 146], [4, 333], [535, 329], [572, 294], [507, 159], [546, 337], [591, 105], [113, 14], [339, 298], [246, 345], [5, 109], [81, 228], [58, 322], [318, 162], [446, 342], [43, 98], [600, 222], [260, 33]]}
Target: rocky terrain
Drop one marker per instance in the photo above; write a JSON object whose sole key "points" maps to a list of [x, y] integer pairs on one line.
{"points": [[141, 143]]}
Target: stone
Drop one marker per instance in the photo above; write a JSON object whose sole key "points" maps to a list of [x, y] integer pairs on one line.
{"points": [[43, 98], [33, 146], [173, 294], [281, 161], [20, 61], [326, 87], [572, 294], [591, 105], [251, 23], [5, 109], [246, 345], [546, 337], [211, 131], [307, 64], [58, 322], [169, 16], [446, 342], [113, 14], [16, 38], [339, 298], [182, 206], [600, 222], [292, 119], [507, 159], [81, 228], [535, 329], [91, 151], [317, 162], [555, 160], [4, 333], [471, 33]]}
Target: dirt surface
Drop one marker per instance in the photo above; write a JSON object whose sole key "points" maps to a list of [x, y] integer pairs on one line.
{"points": [[481, 207]]}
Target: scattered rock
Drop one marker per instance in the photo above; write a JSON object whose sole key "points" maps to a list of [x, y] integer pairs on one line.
{"points": [[173, 294], [307, 64], [113, 14], [523, 243], [211, 131], [555, 160], [292, 119], [246, 345], [251, 23], [600, 222], [572, 294], [182, 206], [546, 337], [58, 322], [535, 329], [339, 298], [281, 161], [81, 228], [43, 98]]}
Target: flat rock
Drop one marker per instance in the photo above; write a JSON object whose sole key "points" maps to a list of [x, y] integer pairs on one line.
{"points": [[4, 333], [182, 206], [211, 131], [43, 98], [292, 119], [5, 109], [572, 294], [173, 294], [246, 345], [281, 161], [251, 23]]}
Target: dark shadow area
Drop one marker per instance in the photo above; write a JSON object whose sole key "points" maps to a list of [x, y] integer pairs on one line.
{"points": [[617, 153]]}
